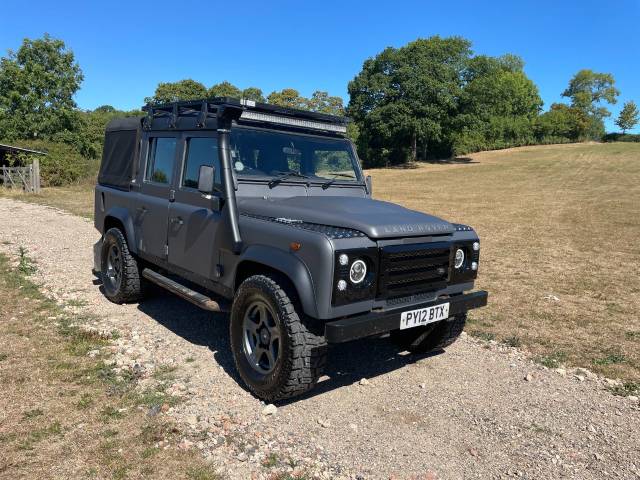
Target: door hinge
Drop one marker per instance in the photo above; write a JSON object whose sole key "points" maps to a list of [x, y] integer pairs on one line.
{"points": [[166, 250]]}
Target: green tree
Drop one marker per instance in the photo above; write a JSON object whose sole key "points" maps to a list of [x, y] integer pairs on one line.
{"points": [[225, 89], [253, 93], [324, 103], [628, 117], [404, 98], [288, 97], [187, 89], [589, 91], [37, 84], [561, 123], [498, 105]]}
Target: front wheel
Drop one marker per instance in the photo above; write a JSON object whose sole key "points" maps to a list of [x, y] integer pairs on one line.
{"points": [[431, 337], [277, 351]]}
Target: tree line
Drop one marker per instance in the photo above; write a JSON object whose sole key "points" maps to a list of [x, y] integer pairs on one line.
{"points": [[432, 98], [189, 89]]}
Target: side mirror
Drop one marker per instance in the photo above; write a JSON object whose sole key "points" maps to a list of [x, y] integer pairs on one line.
{"points": [[206, 177], [369, 184]]}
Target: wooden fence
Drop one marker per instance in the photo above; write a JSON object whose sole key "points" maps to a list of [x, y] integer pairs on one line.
{"points": [[25, 178]]}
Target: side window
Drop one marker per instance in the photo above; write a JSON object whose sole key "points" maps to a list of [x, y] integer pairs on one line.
{"points": [[200, 151], [162, 153]]}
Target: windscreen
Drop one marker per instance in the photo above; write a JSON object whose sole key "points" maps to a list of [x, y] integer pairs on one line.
{"points": [[265, 154]]}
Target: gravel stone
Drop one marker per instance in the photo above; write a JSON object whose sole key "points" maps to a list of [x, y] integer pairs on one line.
{"points": [[270, 409]]}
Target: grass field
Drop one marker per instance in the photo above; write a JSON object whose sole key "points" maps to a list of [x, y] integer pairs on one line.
{"points": [[559, 228], [77, 199]]}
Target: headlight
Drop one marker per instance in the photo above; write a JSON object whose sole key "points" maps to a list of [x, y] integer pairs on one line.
{"points": [[459, 261], [358, 271], [354, 275]]}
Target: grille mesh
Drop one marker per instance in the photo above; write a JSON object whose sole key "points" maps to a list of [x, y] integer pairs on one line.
{"points": [[413, 269]]}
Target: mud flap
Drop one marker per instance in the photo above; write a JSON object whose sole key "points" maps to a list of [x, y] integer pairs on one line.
{"points": [[97, 258]]}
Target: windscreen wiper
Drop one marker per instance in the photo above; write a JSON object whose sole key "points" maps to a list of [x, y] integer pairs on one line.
{"points": [[328, 183], [283, 176]]}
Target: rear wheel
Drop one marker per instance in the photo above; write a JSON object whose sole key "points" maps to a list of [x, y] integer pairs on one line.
{"points": [[121, 278], [277, 351], [431, 337]]}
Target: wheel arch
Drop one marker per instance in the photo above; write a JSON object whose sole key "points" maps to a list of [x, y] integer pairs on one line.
{"points": [[260, 259], [119, 217]]}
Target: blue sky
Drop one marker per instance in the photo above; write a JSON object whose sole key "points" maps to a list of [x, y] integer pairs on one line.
{"points": [[126, 48]]}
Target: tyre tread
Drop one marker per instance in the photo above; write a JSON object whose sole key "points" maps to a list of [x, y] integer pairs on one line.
{"points": [[308, 347], [131, 285]]}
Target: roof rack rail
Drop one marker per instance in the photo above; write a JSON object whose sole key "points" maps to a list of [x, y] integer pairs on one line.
{"points": [[209, 108]]}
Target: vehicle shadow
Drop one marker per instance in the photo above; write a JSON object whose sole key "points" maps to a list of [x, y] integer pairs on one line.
{"points": [[452, 161], [347, 363]]}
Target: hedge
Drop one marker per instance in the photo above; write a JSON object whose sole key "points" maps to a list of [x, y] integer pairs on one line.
{"points": [[62, 165]]}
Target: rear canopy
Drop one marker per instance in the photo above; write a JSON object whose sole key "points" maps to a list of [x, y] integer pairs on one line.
{"points": [[119, 156]]}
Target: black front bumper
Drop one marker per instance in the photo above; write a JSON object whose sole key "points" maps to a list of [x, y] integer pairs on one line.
{"points": [[374, 323]]}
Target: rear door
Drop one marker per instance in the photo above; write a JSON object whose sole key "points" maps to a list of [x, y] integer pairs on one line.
{"points": [[192, 222], [156, 192]]}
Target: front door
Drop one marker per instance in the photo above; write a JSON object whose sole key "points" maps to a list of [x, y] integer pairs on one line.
{"points": [[192, 221], [156, 192]]}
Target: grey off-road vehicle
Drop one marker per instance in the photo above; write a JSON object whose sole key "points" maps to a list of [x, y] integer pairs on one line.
{"points": [[264, 212]]}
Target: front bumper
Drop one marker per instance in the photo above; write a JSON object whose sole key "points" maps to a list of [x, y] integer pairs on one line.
{"points": [[374, 323]]}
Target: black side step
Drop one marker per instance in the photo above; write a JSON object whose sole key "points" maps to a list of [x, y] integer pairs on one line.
{"points": [[192, 296]]}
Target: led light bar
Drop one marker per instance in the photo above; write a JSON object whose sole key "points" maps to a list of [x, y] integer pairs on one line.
{"points": [[293, 122]]}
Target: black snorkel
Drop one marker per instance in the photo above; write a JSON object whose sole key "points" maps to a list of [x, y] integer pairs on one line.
{"points": [[227, 113]]}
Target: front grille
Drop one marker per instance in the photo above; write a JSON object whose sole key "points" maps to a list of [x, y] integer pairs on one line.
{"points": [[413, 269]]}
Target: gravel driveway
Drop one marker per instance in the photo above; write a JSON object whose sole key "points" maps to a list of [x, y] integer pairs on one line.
{"points": [[480, 410]]}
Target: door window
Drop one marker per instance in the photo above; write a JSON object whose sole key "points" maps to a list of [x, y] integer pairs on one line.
{"points": [[160, 163], [200, 151]]}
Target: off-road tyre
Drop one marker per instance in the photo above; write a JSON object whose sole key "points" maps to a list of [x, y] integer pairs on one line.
{"points": [[129, 287], [431, 338], [303, 348]]}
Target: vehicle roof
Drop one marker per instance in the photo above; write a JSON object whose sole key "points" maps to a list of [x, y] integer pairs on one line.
{"points": [[124, 123]]}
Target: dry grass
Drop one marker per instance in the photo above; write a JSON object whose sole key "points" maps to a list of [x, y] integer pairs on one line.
{"points": [[555, 222], [64, 415], [77, 199]]}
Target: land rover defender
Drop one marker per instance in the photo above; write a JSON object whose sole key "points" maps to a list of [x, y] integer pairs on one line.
{"points": [[264, 212]]}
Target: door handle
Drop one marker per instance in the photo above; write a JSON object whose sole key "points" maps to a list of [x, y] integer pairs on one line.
{"points": [[142, 209], [177, 221]]}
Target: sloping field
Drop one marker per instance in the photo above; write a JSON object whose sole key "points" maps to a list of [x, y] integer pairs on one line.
{"points": [[559, 229]]}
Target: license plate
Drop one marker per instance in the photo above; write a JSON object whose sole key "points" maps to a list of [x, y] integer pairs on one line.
{"points": [[424, 316]]}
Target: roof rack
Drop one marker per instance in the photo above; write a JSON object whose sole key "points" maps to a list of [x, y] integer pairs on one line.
{"points": [[212, 108]]}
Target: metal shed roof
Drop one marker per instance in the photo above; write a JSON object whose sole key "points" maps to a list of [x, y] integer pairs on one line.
{"points": [[13, 148]]}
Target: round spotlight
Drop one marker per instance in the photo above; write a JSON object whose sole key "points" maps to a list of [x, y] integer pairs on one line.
{"points": [[459, 258], [358, 271], [474, 266], [343, 259], [476, 246], [342, 285]]}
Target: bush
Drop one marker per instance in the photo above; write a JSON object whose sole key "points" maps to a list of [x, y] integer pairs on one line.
{"points": [[62, 165], [622, 137]]}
